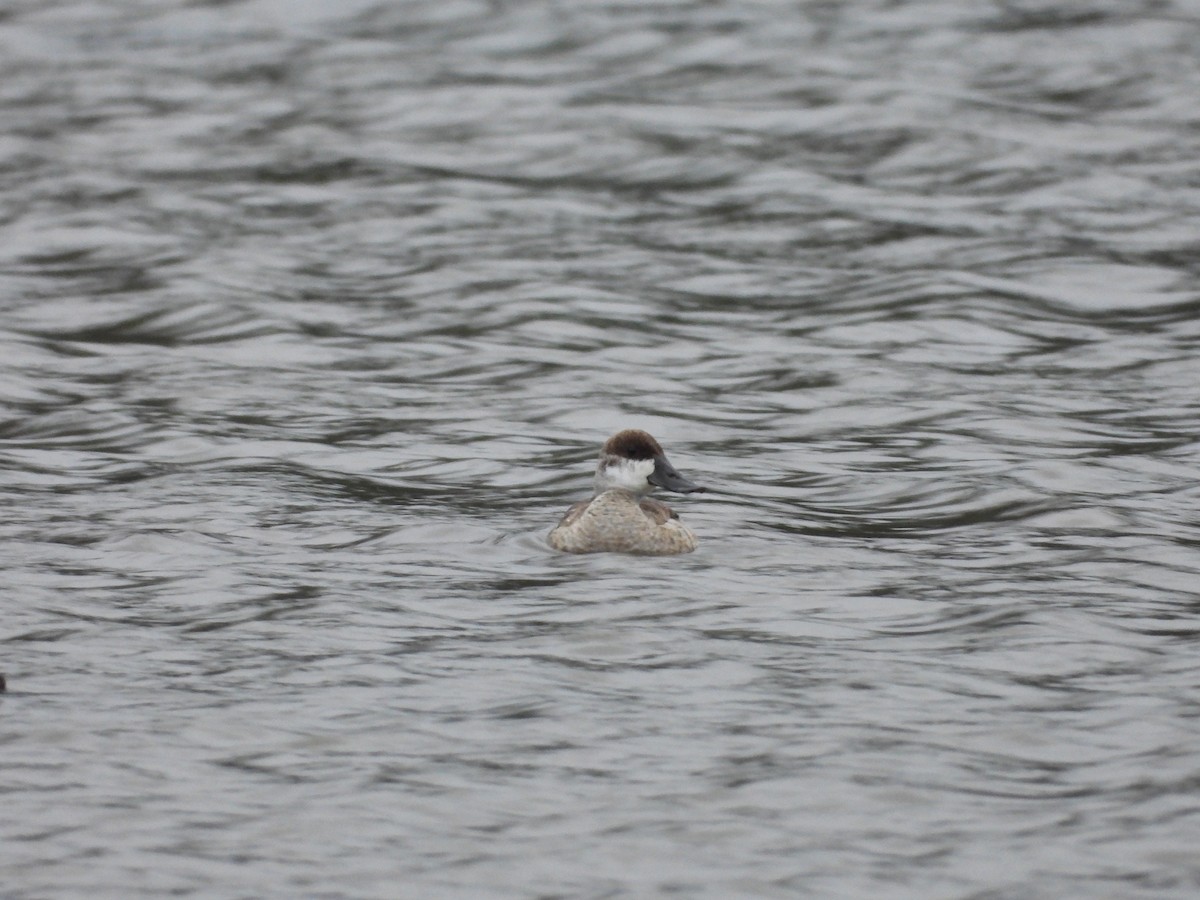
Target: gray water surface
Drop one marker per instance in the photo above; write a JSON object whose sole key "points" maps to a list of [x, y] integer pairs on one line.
{"points": [[313, 317]]}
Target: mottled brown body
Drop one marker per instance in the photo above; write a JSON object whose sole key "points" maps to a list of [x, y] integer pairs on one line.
{"points": [[619, 521]]}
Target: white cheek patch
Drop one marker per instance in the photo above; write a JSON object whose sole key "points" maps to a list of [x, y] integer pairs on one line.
{"points": [[631, 474]]}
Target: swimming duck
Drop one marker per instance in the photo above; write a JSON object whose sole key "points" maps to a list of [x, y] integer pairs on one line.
{"points": [[619, 517]]}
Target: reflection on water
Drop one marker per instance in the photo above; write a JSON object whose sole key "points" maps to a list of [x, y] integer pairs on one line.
{"points": [[315, 315]]}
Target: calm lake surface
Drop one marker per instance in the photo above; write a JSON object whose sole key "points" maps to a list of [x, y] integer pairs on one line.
{"points": [[314, 315]]}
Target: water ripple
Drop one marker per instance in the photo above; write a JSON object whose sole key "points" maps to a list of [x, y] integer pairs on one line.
{"points": [[315, 320]]}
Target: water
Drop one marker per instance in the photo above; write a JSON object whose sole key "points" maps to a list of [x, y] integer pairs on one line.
{"points": [[315, 315]]}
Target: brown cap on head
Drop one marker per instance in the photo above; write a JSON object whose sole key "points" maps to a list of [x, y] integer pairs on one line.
{"points": [[632, 444]]}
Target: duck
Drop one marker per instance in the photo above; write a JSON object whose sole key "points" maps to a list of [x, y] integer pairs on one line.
{"points": [[619, 517]]}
